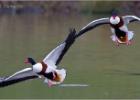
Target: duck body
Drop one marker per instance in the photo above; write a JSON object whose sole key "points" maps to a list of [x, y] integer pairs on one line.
{"points": [[50, 72], [121, 34]]}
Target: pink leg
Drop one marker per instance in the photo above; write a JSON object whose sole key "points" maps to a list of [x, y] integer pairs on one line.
{"points": [[128, 43], [50, 83], [116, 42]]}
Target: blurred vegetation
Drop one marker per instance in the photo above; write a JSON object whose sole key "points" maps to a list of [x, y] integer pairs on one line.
{"points": [[70, 7]]}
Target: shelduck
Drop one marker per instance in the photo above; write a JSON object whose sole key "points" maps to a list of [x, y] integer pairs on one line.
{"points": [[47, 68], [118, 25]]}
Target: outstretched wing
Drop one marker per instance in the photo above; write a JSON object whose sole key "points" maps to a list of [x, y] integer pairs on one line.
{"points": [[92, 25], [57, 54], [130, 18], [19, 76]]}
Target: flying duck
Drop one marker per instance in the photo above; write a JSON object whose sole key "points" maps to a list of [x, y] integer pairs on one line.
{"points": [[47, 68], [118, 25]]}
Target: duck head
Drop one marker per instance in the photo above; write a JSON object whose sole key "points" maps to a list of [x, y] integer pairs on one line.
{"points": [[30, 61], [114, 19], [37, 67]]}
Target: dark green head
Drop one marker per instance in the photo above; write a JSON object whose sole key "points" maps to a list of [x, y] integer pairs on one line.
{"points": [[30, 60]]}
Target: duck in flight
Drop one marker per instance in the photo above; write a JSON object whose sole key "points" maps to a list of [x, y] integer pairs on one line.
{"points": [[118, 24], [47, 68]]}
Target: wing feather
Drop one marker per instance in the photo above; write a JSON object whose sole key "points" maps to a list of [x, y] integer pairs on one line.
{"points": [[130, 18], [92, 25], [57, 54], [19, 76]]}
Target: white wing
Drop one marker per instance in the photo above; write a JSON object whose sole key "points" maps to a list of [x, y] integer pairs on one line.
{"points": [[92, 25], [130, 18], [19, 76], [57, 54]]}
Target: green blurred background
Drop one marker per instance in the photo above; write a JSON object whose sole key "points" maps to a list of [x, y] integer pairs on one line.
{"points": [[35, 28]]}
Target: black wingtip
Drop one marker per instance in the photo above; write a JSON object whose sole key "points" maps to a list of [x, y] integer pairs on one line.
{"points": [[68, 42], [72, 30], [71, 37], [5, 83]]}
